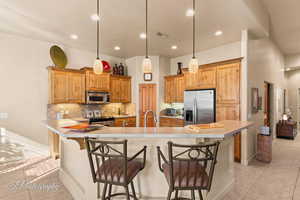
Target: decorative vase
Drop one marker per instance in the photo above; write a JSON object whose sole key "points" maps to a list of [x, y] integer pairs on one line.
{"points": [[115, 69], [121, 69], [179, 70]]}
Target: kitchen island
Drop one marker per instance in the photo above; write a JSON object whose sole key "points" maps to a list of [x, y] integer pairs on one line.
{"points": [[151, 184]]}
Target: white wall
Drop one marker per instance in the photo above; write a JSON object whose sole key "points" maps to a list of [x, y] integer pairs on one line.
{"points": [[292, 61], [265, 63], [24, 82], [221, 53]]}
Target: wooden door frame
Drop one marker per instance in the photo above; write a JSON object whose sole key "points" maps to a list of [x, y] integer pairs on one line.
{"points": [[139, 102]]}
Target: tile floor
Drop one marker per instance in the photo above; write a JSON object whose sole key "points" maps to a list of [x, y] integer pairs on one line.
{"points": [[258, 181]]}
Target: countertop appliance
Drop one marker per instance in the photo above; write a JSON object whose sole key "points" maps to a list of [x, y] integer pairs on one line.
{"points": [[93, 97], [170, 111], [199, 106]]}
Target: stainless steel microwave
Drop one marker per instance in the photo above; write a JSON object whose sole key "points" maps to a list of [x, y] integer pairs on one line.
{"points": [[93, 97]]}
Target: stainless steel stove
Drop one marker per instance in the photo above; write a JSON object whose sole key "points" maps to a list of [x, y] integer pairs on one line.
{"points": [[95, 117]]}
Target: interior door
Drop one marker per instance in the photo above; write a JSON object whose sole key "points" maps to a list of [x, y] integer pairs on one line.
{"points": [[267, 105], [147, 95]]}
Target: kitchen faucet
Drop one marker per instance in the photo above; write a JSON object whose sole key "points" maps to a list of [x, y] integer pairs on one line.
{"points": [[146, 117]]}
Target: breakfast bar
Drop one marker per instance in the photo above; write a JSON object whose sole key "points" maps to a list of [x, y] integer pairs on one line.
{"points": [[151, 184]]}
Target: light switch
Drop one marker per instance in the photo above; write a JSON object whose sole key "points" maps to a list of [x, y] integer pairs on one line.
{"points": [[3, 115]]}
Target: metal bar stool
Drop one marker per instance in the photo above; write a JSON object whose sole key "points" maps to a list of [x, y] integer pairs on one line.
{"points": [[111, 166], [190, 167]]}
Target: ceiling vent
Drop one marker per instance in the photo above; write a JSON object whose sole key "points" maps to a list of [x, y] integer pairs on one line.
{"points": [[162, 35]]}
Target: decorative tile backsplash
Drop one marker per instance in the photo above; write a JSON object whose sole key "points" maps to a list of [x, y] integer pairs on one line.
{"points": [[79, 110]]}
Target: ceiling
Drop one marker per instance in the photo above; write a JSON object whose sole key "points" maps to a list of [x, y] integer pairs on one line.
{"points": [[123, 20], [285, 21]]}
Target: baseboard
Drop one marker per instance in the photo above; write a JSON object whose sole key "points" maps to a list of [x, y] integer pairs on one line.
{"points": [[71, 185], [250, 159], [28, 143]]}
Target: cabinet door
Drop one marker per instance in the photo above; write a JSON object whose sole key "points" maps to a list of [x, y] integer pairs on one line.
{"points": [[168, 90], [207, 77], [228, 83], [179, 89], [59, 87], [125, 90], [115, 90], [191, 80], [76, 88], [97, 82], [228, 112]]}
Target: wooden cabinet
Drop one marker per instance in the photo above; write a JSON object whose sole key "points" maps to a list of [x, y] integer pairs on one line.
{"points": [[228, 83], [174, 89], [97, 82], [125, 122], [206, 78], [191, 80], [171, 122], [228, 112], [66, 86], [76, 87], [120, 89]]}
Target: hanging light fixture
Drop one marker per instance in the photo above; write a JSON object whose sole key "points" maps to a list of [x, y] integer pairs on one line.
{"points": [[98, 66], [147, 65], [193, 65]]}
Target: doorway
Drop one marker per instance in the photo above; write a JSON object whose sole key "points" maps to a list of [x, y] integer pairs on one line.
{"points": [[147, 101], [267, 104], [298, 105]]}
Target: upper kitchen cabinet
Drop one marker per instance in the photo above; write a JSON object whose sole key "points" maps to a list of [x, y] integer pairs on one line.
{"points": [[191, 80], [228, 83], [97, 82], [174, 89], [120, 89], [206, 77], [66, 86]]}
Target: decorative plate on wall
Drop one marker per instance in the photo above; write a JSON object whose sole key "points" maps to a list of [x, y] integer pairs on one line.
{"points": [[58, 57]]}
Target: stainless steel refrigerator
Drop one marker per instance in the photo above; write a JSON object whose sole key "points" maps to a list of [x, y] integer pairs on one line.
{"points": [[199, 106]]}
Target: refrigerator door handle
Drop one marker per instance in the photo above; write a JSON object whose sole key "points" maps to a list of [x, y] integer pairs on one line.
{"points": [[194, 112]]}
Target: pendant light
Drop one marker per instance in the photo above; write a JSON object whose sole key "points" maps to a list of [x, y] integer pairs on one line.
{"points": [[147, 65], [98, 66], [193, 65]]}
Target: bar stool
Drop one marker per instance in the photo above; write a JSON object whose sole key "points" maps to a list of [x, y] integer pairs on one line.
{"points": [[190, 167], [111, 166]]}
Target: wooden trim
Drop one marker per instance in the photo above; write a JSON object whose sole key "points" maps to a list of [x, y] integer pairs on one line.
{"points": [[235, 60], [65, 70], [174, 76]]}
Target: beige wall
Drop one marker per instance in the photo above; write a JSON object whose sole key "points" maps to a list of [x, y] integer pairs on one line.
{"points": [[293, 80], [160, 65], [221, 53], [265, 63], [24, 83]]}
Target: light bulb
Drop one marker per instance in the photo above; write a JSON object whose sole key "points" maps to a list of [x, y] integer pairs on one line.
{"points": [[147, 65], [98, 66], [193, 65]]}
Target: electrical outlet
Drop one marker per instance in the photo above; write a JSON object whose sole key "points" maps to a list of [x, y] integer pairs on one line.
{"points": [[3, 115]]}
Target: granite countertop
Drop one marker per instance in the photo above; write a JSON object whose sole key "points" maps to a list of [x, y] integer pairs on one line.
{"points": [[123, 116], [173, 117], [231, 127]]}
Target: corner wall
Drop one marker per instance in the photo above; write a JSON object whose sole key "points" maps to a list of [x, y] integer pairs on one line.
{"points": [[24, 82], [265, 63]]}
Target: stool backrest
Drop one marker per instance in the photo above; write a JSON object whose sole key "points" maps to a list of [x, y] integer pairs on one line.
{"points": [[100, 152], [203, 154]]}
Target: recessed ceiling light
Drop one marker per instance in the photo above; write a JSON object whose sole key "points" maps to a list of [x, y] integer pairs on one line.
{"points": [[117, 48], [174, 47], [95, 17], [218, 33], [143, 35], [189, 13], [74, 37]]}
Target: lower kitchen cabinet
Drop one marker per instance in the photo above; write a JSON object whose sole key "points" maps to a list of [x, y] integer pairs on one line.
{"points": [[171, 122], [125, 122]]}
